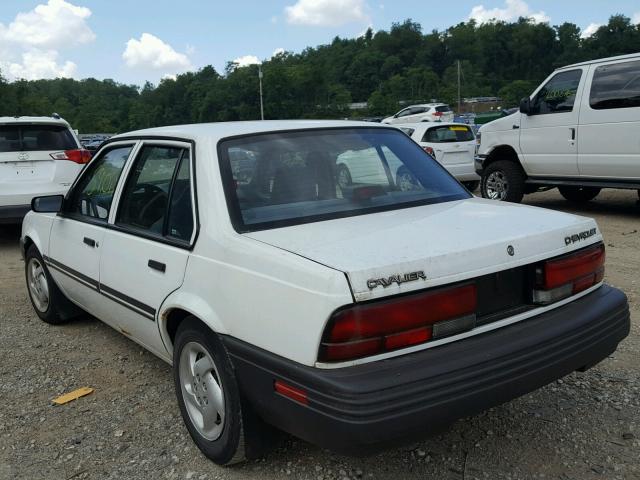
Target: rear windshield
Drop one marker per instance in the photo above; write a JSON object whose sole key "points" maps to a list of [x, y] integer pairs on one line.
{"points": [[448, 133], [443, 108], [19, 138], [281, 179]]}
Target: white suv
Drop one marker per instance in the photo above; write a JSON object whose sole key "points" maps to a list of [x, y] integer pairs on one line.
{"points": [[38, 156], [578, 131], [427, 112], [350, 316]]}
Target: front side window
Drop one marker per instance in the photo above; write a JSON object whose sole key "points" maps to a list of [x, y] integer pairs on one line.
{"points": [[146, 196], [558, 94], [448, 134], [616, 86], [405, 112], [290, 178], [93, 195]]}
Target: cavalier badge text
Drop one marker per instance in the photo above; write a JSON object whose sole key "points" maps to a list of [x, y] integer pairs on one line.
{"points": [[397, 279]]}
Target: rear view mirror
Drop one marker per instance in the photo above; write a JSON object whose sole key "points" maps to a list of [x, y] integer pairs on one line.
{"points": [[525, 106], [48, 204]]}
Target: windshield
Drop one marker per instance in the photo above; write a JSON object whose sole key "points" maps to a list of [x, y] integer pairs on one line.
{"points": [[17, 138], [281, 179]]}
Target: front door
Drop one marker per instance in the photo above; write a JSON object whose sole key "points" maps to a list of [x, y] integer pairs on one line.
{"points": [[548, 135], [145, 252], [77, 234]]}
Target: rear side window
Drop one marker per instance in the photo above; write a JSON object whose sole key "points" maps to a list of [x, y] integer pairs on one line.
{"points": [[157, 195], [448, 133], [616, 86], [558, 94], [20, 138]]}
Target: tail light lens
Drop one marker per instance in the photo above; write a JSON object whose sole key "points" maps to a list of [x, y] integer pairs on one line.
{"points": [[570, 274], [377, 327], [429, 150], [80, 156], [437, 114]]}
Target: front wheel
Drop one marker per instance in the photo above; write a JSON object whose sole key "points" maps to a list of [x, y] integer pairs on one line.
{"points": [[209, 397], [503, 180], [579, 194], [48, 301]]}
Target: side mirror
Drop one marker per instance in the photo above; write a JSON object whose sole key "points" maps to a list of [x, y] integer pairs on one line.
{"points": [[48, 204], [525, 106]]}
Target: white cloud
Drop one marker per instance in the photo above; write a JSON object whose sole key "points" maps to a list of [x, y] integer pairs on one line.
{"points": [[30, 44], [151, 53], [590, 30], [635, 19], [246, 60], [326, 13], [512, 10], [56, 24], [38, 64]]}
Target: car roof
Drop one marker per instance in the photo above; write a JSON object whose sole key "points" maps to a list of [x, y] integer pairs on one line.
{"points": [[34, 120], [425, 125], [426, 105], [602, 60], [220, 130]]}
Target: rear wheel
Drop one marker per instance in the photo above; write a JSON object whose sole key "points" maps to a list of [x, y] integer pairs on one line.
{"points": [[503, 180], [48, 301], [579, 194], [223, 427]]}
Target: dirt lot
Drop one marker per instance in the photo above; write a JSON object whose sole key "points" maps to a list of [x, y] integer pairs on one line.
{"points": [[586, 426]]}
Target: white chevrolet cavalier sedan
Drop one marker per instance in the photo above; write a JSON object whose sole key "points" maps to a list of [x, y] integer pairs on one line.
{"points": [[352, 316]]}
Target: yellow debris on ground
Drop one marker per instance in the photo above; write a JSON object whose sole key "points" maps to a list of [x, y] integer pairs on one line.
{"points": [[68, 397]]}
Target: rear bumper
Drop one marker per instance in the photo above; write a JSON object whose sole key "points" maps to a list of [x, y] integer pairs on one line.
{"points": [[366, 407], [13, 213]]}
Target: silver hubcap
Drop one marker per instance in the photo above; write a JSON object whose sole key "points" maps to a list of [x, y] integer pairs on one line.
{"points": [[38, 285], [497, 186], [202, 390], [343, 178]]}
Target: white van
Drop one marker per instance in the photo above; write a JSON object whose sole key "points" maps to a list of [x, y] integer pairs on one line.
{"points": [[578, 131]]}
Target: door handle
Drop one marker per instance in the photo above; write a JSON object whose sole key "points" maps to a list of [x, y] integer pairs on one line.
{"points": [[573, 133], [515, 127], [89, 241], [161, 267]]}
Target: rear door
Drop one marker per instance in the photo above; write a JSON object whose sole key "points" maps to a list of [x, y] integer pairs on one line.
{"points": [[77, 234], [27, 168], [145, 251], [609, 131], [548, 136]]}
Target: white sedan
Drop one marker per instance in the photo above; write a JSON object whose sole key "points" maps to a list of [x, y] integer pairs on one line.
{"points": [[424, 112], [452, 144], [351, 316]]}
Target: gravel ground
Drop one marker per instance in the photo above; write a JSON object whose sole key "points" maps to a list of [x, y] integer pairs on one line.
{"points": [[586, 426]]}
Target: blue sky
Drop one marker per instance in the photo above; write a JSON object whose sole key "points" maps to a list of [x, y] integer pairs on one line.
{"points": [[142, 40]]}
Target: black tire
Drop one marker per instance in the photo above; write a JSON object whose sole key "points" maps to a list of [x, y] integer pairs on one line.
{"points": [[236, 442], [343, 176], [579, 194], [58, 309], [503, 180], [472, 186]]}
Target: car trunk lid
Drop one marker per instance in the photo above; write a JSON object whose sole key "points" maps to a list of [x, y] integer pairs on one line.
{"points": [[404, 250]]}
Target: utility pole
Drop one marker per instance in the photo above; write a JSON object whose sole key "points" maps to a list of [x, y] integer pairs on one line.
{"points": [[459, 100], [261, 101]]}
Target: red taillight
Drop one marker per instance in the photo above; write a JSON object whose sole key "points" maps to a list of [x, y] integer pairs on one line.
{"points": [[376, 327], [293, 393], [80, 156], [565, 276], [429, 150]]}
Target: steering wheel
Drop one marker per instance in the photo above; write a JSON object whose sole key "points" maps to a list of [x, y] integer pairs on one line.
{"points": [[156, 194]]}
